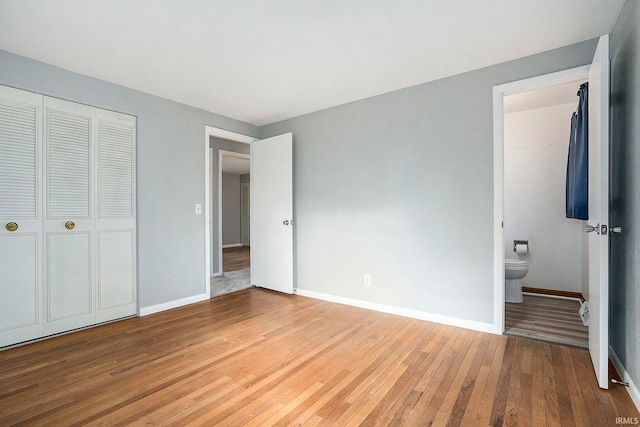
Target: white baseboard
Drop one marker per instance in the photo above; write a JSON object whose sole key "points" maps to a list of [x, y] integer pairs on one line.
{"points": [[624, 375], [414, 314], [144, 311], [232, 245], [551, 296]]}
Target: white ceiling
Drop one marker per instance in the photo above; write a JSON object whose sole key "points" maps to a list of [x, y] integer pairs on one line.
{"points": [[262, 61]]}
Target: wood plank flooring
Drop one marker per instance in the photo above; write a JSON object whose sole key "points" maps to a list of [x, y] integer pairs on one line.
{"points": [[258, 357], [234, 259], [548, 319]]}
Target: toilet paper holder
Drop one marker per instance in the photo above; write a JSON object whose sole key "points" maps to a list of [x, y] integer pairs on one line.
{"points": [[520, 242]]}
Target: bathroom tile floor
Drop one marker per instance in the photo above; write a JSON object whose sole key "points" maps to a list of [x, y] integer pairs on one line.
{"points": [[547, 319]]}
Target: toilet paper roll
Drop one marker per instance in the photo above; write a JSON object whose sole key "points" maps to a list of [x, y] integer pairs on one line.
{"points": [[521, 248]]}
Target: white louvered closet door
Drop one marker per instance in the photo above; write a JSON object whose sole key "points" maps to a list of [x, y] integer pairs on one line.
{"points": [[116, 216], [68, 223], [67, 216], [20, 206]]}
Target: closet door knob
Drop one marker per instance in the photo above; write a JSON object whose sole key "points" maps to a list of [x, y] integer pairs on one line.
{"points": [[11, 226], [69, 225]]}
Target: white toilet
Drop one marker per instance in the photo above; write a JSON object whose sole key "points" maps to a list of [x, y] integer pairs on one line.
{"points": [[514, 271]]}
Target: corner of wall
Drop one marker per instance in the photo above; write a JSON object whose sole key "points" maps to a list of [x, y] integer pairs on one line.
{"points": [[145, 311], [633, 391]]}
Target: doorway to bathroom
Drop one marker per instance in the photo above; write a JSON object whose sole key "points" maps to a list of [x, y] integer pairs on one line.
{"points": [[597, 75], [536, 231]]}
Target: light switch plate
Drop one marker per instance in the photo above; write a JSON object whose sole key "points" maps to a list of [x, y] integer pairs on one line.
{"points": [[198, 209]]}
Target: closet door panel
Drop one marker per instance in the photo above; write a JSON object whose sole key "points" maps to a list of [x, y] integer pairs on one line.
{"points": [[69, 221], [69, 164], [116, 274], [116, 166], [69, 299], [20, 222], [21, 302], [116, 221], [19, 154]]}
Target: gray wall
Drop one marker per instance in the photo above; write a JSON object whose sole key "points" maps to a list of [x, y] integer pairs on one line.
{"points": [[400, 186], [217, 144], [231, 209], [625, 181], [170, 172]]}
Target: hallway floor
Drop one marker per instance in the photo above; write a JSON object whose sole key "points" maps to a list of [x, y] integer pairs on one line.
{"points": [[238, 258], [236, 276]]}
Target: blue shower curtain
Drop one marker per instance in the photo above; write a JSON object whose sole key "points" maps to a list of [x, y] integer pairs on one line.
{"points": [[577, 189]]}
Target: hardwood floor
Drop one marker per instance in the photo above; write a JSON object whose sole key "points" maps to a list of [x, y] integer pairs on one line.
{"points": [[262, 358], [234, 259], [548, 319]]}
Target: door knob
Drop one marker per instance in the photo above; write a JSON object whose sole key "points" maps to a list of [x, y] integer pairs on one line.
{"points": [[592, 228], [285, 222], [11, 226], [69, 225], [617, 230], [599, 229]]}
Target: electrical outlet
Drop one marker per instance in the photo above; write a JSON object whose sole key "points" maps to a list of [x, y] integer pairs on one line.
{"points": [[367, 280]]}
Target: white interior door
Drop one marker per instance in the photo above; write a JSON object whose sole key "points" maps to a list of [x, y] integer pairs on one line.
{"points": [[20, 210], [599, 211], [116, 216], [272, 213], [68, 224]]}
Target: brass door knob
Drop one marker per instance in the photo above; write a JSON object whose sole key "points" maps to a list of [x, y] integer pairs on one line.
{"points": [[11, 226], [69, 225]]}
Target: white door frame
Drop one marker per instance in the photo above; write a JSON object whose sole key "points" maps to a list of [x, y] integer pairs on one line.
{"points": [[210, 131], [245, 233], [221, 154], [499, 92]]}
